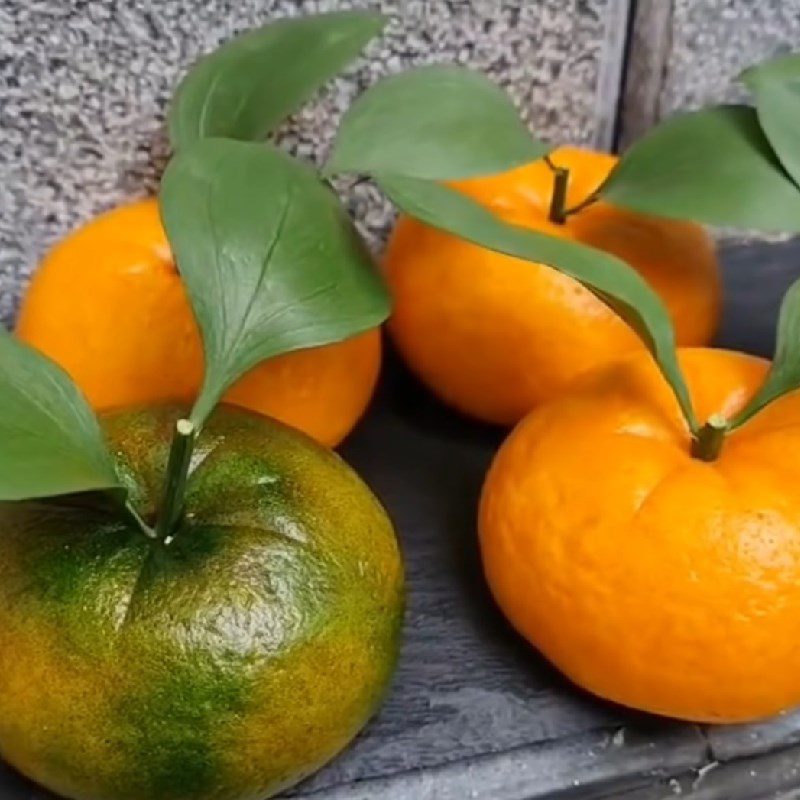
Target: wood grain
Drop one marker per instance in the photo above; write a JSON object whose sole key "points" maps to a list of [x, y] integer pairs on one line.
{"points": [[648, 57]]}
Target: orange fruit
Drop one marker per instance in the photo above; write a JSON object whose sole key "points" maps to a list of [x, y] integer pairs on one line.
{"points": [[108, 305], [493, 335], [225, 666], [649, 577]]}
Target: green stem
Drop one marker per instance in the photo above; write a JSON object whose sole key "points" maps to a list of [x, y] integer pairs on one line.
{"points": [[590, 200], [136, 519], [180, 455], [558, 203], [708, 443]]}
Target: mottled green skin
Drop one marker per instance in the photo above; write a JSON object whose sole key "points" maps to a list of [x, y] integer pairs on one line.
{"points": [[228, 665]]}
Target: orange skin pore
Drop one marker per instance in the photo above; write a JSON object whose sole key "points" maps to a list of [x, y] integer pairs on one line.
{"points": [[108, 305], [494, 335], [649, 577]]}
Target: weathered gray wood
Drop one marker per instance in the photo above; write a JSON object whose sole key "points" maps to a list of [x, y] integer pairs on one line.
{"points": [[736, 741], [774, 776], [687, 53], [756, 276], [610, 78], [644, 76], [574, 766]]}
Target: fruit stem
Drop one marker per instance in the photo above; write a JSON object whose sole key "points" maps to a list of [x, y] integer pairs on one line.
{"points": [[558, 202], [136, 519], [707, 444], [180, 456], [590, 200]]}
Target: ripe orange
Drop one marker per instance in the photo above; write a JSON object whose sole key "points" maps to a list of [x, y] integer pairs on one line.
{"points": [[649, 577], [227, 665], [108, 305], [494, 335]]}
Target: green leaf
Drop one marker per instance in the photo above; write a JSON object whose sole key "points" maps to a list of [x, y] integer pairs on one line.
{"points": [[776, 86], [270, 260], [50, 442], [437, 122], [609, 278], [713, 166], [250, 85], [784, 374]]}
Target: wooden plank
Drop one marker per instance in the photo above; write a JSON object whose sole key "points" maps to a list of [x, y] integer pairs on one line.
{"points": [[774, 776], [610, 75], [688, 53], [648, 56], [575, 766], [736, 741]]}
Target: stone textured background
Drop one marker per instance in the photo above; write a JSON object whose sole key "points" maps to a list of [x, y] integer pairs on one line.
{"points": [[83, 84]]}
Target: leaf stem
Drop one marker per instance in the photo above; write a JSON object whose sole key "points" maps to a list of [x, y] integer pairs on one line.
{"points": [[707, 444], [135, 519], [180, 455], [558, 211], [590, 200]]}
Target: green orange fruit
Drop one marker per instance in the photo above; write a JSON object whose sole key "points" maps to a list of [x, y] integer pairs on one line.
{"points": [[227, 665]]}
